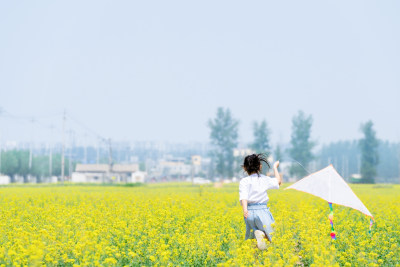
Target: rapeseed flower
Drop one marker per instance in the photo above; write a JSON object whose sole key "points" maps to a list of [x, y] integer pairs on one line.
{"points": [[178, 225]]}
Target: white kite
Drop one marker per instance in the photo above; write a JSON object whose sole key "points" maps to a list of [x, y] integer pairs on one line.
{"points": [[330, 186]]}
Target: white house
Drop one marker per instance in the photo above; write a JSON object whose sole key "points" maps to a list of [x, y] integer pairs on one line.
{"points": [[174, 167], [97, 173], [4, 179], [137, 177]]}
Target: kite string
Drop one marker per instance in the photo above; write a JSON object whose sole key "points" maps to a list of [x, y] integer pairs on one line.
{"points": [[333, 234], [293, 160]]}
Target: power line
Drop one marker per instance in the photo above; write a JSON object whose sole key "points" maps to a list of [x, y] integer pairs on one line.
{"points": [[49, 126], [87, 128], [28, 119]]}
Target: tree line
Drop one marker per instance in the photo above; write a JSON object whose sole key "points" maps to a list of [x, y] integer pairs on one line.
{"points": [[366, 151], [22, 163], [368, 156], [346, 156]]}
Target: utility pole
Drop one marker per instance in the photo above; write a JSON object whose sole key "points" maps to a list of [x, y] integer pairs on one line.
{"points": [[85, 148], [98, 152], [343, 167], [1, 111], [30, 147], [1, 148], [71, 147], [109, 152], [50, 161], [63, 149], [109, 156], [51, 153], [398, 157], [192, 171]]}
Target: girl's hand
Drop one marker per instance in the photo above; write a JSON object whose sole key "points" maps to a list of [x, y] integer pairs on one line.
{"points": [[246, 213], [276, 164]]}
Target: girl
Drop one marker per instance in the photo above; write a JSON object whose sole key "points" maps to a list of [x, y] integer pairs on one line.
{"points": [[253, 197]]}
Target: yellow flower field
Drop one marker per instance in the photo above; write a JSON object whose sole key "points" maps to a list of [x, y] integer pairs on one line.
{"points": [[180, 224]]}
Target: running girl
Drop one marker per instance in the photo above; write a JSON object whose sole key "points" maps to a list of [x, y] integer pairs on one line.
{"points": [[254, 198]]}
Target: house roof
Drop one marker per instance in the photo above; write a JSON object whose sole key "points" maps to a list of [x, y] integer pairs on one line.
{"points": [[125, 167], [91, 168], [105, 167]]}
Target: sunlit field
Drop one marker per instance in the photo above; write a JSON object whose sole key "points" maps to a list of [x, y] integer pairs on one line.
{"points": [[181, 224]]}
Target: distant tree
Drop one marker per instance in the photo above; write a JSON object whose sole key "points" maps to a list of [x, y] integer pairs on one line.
{"points": [[142, 166], [9, 163], [260, 144], [343, 155], [23, 164], [261, 137], [223, 135], [369, 153], [16, 162], [57, 165], [398, 159], [278, 153], [389, 162], [301, 143], [40, 167]]}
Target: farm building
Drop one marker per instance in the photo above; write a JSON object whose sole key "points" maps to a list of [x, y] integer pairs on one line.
{"points": [[102, 173], [4, 179]]}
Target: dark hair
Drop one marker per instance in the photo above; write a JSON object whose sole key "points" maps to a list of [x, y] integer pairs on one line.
{"points": [[252, 163]]}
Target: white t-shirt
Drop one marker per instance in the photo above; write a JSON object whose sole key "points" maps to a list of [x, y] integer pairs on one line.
{"points": [[254, 188]]}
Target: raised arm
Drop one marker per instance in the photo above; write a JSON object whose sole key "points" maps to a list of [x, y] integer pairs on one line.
{"points": [[276, 172]]}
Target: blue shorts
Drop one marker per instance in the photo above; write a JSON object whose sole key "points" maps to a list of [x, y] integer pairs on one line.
{"points": [[259, 218]]}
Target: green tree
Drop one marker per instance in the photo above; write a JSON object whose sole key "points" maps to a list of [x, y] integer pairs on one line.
{"points": [[16, 162], [9, 163], [40, 167], [23, 164], [342, 154], [142, 166], [260, 144], [224, 135], [301, 143], [369, 153], [261, 137], [278, 153], [56, 169], [389, 162]]}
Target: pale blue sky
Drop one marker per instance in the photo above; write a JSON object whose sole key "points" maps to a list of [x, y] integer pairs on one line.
{"points": [[158, 70]]}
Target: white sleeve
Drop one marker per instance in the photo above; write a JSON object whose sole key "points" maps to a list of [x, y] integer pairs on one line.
{"points": [[272, 183], [243, 190]]}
